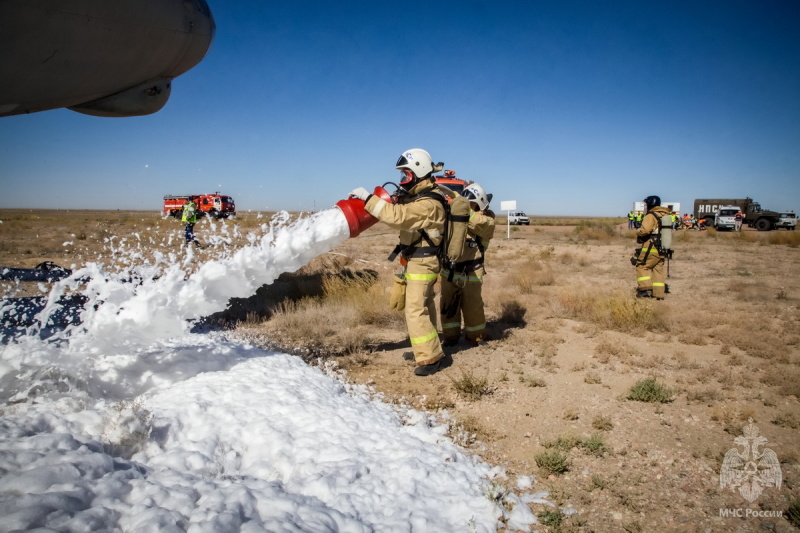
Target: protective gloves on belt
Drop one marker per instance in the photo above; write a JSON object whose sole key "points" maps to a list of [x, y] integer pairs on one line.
{"points": [[361, 193]]}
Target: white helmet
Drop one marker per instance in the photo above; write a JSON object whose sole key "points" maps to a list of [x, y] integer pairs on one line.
{"points": [[476, 194], [418, 161]]}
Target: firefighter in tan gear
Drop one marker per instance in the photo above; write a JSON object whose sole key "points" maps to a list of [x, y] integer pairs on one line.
{"points": [[461, 286], [420, 216], [650, 258]]}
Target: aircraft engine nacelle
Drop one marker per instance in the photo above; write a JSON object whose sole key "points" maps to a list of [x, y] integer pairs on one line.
{"points": [[143, 99], [100, 57]]}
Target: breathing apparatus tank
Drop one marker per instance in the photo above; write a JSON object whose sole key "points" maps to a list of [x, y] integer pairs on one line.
{"points": [[666, 232], [458, 219], [358, 219]]}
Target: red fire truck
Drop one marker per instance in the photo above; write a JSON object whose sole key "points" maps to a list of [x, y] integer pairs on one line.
{"points": [[449, 180], [215, 205]]}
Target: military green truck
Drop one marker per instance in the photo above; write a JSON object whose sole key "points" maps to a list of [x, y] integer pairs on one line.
{"points": [[754, 215]]}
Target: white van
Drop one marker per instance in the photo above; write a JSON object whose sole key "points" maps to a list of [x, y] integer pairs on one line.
{"points": [[515, 218]]}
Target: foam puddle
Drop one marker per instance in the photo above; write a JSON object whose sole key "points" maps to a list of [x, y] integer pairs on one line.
{"points": [[127, 421]]}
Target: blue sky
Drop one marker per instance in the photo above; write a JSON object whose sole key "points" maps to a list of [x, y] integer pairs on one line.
{"points": [[567, 107]]}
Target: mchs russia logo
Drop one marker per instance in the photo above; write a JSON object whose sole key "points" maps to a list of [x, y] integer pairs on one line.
{"points": [[750, 468]]}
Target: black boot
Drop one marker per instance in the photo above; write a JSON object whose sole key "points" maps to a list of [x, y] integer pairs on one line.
{"points": [[427, 370], [646, 293]]}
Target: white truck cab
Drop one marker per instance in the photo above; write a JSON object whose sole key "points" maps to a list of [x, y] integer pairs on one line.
{"points": [[725, 217], [787, 220]]}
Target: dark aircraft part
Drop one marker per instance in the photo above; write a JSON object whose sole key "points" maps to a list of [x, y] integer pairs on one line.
{"points": [[47, 271], [100, 57], [143, 99]]}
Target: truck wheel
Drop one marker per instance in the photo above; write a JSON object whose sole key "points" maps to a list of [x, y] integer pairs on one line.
{"points": [[762, 224], [214, 213]]}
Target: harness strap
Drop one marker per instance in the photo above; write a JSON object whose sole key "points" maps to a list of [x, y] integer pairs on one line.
{"points": [[412, 250]]}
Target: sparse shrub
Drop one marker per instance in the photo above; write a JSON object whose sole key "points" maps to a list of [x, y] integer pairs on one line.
{"points": [[592, 378], [707, 396], [594, 445], [471, 386], [550, 518], [602, 423], [546, 351], [788, 238], [630, 314], [512, 313], [532, 381], [465, 430], [598, 482], [353, 341], [570, 414], [787, 379], [621, 312], [787, 420], [531, 274], [359, 359], [650, 390], [547, 253], [594, 230], [746, 236], [793, 512], [552, 461], [563, 442], [361, 293], [732, 418]]}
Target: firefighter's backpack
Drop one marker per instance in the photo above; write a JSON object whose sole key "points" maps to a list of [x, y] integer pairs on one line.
{"points": [[453, 246]]}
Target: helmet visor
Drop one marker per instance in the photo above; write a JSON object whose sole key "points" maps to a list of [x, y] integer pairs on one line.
{"points": [[406, 176], [470, 194]]}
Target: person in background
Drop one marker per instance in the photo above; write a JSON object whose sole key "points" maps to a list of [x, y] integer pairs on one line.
{"points": [[189, 217], [420, 216], [737, 220], [461, 294], [631, 218]]}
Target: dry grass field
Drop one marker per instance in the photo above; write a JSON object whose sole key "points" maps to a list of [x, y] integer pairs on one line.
{"points": [[622, 409]]}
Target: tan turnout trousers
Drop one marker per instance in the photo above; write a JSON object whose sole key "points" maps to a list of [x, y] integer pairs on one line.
{"points": [[469, 284], [470, 310], [420, 311], [650, 272], [417, 213]]}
